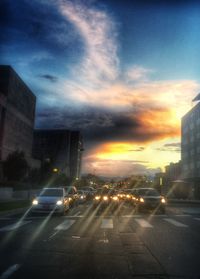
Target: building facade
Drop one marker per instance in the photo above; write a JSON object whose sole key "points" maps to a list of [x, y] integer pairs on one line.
{"points": [[61, 148], [190, 148], [17, 114]]}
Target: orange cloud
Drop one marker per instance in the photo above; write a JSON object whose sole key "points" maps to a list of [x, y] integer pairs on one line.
{"points": [[159, 124]]}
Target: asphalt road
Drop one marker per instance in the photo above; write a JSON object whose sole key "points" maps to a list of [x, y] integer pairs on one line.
{"points": [[84, 244]]}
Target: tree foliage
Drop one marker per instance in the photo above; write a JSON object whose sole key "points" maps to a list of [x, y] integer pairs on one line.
{"points": [[15, 167]]}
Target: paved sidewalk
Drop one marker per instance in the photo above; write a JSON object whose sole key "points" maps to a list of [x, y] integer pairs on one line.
{"points": [[13, 211]]}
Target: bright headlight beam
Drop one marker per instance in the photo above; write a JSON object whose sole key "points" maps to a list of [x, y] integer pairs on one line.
{"points": [[59, 202], [35, 202], [163, 200]]}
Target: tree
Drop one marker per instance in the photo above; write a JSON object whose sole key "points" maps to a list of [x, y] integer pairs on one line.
{"points": [[15, 167]]}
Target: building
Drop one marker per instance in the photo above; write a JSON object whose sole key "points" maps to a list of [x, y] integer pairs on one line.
{"points": [[17, 115], [61, 148], [190, 148], [173, 171]]}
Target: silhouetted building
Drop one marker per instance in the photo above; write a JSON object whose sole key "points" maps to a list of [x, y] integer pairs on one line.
{"points": [[190, 148], [173, 171], [17, 114], [61, 148]]}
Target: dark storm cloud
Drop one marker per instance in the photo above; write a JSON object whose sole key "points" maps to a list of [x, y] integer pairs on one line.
{"points": [[49, 77], [98, 125]]}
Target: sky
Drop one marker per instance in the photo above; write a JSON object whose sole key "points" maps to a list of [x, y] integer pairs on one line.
{"points": [[121, 72]]}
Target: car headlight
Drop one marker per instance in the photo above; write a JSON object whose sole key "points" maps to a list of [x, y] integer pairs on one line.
{"points": [[82, 197], [128, 196], [97, 198], [34, 202], [141, 200], [59, 202], [115, 198], [163, 200], [105, 198]]}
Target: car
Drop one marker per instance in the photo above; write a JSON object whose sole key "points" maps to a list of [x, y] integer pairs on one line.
{"points": [[52, 200], [127, 195], [72, 194], [148, 199], [106, 198], [90, 192], [82, 196]]}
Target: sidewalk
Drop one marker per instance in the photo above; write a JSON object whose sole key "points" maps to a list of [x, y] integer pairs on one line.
{"points": [[12, 206]]}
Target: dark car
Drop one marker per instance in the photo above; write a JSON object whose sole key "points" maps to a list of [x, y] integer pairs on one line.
{"points": [[72, 194], [149, 199], [90, 192], [82, 196], [106, 198]]}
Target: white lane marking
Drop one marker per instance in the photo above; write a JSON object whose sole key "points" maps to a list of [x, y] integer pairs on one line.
{"points": [[9, 271], [198, 219], [143, 223], [65, 225], [175, 223], [14, 226], [77, 213], [107, 224]]}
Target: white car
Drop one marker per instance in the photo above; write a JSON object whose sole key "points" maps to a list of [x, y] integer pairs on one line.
{"points": [[51, 200]]}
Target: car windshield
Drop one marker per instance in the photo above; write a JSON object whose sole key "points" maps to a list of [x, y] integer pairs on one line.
{"points": [[51, 193]]}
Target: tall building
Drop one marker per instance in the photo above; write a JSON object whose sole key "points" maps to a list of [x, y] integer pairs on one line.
{"points": [[61, 148], [190, 148], [17, 114]]}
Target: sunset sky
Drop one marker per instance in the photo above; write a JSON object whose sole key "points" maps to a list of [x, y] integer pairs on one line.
{"points": [[122, 72]]}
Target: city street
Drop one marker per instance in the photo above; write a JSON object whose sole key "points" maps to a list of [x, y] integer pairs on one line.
{"points": [[84, 244]]}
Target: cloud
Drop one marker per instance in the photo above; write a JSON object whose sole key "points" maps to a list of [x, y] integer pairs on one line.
{"points": [[49, 77], [101, 125], [100, 61], [120, 167], [137, 73], [172, 147], [139, 149]]}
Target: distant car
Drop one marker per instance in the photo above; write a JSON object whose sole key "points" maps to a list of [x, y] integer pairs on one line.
{"points": [[82, 196], [106, 198], [127, 195], [149, 198], [71, 194], [90, 192], [50, 200]]}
